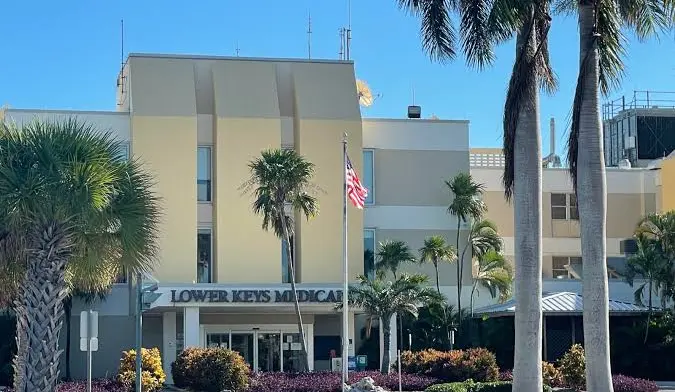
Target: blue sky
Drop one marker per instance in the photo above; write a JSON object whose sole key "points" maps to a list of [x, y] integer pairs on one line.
{"points": [[66, 55]]}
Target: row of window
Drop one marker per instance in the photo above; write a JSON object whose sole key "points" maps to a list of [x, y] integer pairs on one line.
{"points": [[205, 165], [205, 256], [564, 206]]}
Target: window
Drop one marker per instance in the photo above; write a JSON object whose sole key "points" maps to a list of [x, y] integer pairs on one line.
{"points": [[369, 253], [125, 151], [204, 174], [204, 256], [286, 275], [559, 270], [564, 206], [368, 167]]}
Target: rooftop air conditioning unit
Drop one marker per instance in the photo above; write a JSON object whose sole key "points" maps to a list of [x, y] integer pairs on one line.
{"points": [[414, 111]]}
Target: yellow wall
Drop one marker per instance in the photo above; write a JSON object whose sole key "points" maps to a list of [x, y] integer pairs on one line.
{"points": [[249, 101], [667, 199], [245, 252], [168, 147]]}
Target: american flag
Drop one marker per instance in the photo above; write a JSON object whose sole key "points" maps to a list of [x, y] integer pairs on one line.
{"points": [[356, 192]]}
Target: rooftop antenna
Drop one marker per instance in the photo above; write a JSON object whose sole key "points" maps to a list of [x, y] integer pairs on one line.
{"points": [[349, 29], [236, 49], [309, 35], [341, 53], [122, 48]]}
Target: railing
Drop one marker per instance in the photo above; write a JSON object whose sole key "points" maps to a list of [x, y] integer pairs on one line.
{"points": [[640, 99]]}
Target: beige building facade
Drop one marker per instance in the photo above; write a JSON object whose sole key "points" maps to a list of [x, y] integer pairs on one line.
{"points": [[195, 123]]}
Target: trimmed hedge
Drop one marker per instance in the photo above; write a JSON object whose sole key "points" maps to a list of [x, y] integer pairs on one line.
{"points": [[470, 386], [332, 381], [210, 370], [476, 364], [631, 384]]}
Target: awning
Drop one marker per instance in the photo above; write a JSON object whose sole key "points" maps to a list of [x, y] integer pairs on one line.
{"points": [[562, 304]]}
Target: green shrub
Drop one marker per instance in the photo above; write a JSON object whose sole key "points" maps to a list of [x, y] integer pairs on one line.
{"points": [[152, 373], [210, 370], [470, 386], [450, 387], [456, 365], [183, 369], [572, 366]]}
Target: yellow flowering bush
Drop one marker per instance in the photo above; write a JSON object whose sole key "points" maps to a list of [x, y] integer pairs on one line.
{"points": [[152, 373]]}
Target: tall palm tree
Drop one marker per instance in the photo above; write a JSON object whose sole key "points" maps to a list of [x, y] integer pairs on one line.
{"points": [[659, 230], [466, 205], [494, 273], [435, 251], [601, 48], [382, 300], [390, 255], [483, 24], [280, 179], [70, 202]]}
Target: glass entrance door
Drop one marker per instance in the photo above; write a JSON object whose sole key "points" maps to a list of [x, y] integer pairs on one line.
{"points": [[269, 352], [242, 342]]}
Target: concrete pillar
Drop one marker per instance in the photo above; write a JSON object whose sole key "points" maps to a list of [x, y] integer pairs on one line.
{"points": [[191, 327], [168, 343]]}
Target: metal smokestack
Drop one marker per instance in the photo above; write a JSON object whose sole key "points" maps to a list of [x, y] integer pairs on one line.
{"points": [[552, 137]]}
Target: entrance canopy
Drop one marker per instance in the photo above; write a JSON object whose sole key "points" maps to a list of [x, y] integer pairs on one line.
{"points": [[562, 304]]}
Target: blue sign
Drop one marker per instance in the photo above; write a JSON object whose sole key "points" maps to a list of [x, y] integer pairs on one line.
{"points": [[351, 363]]}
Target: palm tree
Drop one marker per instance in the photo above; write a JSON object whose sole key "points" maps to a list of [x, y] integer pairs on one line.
{"points": [[659, 230], [280, 179], [382, 300], [647, 263], [483, 237], [390, 255], [483, 24], [600, 67], [67, 202], [435, 251], [495, 274], [466, 205]]}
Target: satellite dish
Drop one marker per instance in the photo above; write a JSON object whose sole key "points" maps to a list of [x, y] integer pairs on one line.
{"points": [[364, 93]]}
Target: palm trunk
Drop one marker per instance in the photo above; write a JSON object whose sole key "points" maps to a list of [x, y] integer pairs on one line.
{"points": [[459, 282], [438, 284], [473, 292], [68, 308], [386, 332], [649, 314], [592, 204], [527, 373], [296, 303], [40, 311]]}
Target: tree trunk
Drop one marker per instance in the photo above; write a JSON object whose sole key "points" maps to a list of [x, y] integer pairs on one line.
{"points": [[68, 308], [459, 283], [40, 310], [386, 332], [527, 373], [473, 292], [592, 204], [649, 314], [296, 303], [438, 284]]}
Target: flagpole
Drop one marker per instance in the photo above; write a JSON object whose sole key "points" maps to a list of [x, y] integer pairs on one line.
{"points": [[345, 268]]}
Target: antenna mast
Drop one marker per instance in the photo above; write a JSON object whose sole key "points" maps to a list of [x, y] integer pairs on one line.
{"points": [[122, 25], [309, 35], [236, 49], [349, 28]]}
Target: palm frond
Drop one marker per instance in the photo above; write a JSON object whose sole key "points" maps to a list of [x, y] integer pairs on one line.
{"points": [[437, 31], [435, 250], [280, 179], [467, 195], [474, 27], [391, 254]]}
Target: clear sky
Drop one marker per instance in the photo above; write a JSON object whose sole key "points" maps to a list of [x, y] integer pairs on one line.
{"points": [[66, 54]]}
